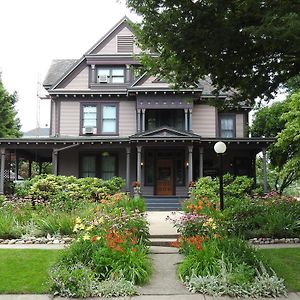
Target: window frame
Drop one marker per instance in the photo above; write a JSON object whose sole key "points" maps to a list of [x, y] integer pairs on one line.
{"points": [[227, 115], [98, 162], [99, 115], [110, 76]]}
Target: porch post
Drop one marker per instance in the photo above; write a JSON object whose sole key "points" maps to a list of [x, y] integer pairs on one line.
{"points": [[54, 162], [93, 77], [138, 167], [143, 119], [190, 168], [186, 119], [128, 169], [138, 120], [2, 168], [201, 151], [30, 168], [190, 119], [265, 180]]}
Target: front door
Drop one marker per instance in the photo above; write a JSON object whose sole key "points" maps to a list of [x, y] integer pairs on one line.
{"points": [[164, 177]]}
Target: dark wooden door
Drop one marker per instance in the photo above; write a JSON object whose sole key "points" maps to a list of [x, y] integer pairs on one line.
{"points": [[164, 177]]}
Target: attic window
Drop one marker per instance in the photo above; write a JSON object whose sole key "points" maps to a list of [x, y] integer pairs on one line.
{"points": [[125, 43]]}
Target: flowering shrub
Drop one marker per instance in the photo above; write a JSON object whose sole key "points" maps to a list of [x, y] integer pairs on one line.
{"points": [[112, 243]]}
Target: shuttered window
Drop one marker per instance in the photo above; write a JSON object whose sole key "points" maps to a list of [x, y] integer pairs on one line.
{"points": [[125, 43]]}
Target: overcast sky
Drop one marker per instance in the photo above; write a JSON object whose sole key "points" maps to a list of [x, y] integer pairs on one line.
{"points": [[33, 32]]}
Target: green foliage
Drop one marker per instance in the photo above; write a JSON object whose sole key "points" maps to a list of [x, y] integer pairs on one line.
{"points": [[10, 124], [250, 46]]}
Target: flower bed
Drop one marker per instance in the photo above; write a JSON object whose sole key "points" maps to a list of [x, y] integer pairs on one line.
{"points": [[217, 262], [110, 253]]}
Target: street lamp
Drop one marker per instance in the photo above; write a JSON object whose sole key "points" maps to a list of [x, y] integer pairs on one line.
{"points": [[220, 149]]}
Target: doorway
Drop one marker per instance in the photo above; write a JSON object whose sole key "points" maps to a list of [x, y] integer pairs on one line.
{"points": [[164, 177]]}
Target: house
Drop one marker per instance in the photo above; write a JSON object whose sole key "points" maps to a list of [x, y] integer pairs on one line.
{"points": [[108, 119]]}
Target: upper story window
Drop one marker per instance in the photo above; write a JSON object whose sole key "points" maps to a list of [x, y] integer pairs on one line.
{"points": [[99, 118], [227, 126], [111, 75]]}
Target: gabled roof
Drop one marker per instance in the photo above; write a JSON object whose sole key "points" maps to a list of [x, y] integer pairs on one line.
{"points": [[61, 64], [165, 132]]}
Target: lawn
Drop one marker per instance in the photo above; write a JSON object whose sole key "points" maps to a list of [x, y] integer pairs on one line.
{"points": [[286, 263], [25, 271]]}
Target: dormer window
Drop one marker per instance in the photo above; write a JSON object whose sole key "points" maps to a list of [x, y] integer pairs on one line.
{"points": [[110, 75]]}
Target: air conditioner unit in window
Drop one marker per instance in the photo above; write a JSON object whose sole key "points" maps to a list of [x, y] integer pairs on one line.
{"points": [[103, 79], [89, 130]]}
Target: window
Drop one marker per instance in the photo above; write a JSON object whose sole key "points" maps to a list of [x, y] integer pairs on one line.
{"points": [[108, 166], [103, 165], [227, 126], [111, 75], [89, 119], [109, 118], [100, 118], [88, 166]]}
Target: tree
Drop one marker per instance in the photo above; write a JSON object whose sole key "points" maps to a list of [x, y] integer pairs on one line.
{"points": [[9, 123], [282, 120], [249, 46]]}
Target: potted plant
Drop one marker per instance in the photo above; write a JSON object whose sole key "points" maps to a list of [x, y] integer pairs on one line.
{"points": [[136, 189]]}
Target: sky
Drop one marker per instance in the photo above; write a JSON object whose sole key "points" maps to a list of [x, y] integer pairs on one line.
{"points": [[34, 32]]}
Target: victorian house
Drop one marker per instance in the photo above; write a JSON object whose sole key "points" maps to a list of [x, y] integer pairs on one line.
{"points": [[108, 119]]}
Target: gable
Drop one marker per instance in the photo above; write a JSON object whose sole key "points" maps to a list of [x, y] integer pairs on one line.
{"points": [[165, 132], [118, 41], [151, 81]]}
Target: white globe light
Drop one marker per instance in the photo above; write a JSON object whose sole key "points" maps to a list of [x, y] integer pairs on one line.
{"points": [[220, 147]]}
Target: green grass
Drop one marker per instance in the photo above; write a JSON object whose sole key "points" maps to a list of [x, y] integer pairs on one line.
{"points": [[286, 263], [25, 270]]}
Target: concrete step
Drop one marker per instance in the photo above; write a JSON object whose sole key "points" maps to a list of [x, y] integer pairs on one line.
{"points": [[162, 242], [164, 208]]}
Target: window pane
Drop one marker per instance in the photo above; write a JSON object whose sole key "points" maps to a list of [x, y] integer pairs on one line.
{"points": [[108, 167], [88, 166], [227, 127], [103, 72], [90, 116], [109, 126], [117, 72], [117, 80], [109, 112]]}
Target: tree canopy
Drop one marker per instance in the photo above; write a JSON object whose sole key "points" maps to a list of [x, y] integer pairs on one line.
{"points": [[282, 120], [251, 47], [9, 123]]}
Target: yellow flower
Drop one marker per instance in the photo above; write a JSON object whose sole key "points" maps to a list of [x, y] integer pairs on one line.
{"points": [[89, 228], [214, 226], [86, 237], [78, 220], [210, 220], [101, 220], [205, 224]]}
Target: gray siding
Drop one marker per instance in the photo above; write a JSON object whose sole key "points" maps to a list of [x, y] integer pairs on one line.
{"points": [[69, 118], [52, 120], [127, 118], [80, 82], [240, 126], [68, 164], [204, 120]]}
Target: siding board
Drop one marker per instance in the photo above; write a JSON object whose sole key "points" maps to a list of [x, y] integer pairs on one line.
{"points": [[80, 82], [127, 118], [240, 125], [204, 120], [70, 118]]}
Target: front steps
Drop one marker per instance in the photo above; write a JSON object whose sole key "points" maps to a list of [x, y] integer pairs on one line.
{"points": [[163, 203], [162, 240]]}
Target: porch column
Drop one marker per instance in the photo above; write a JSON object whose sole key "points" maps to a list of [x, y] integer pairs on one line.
{"points": [[2, 168], [138, 167], [190, 119], [54, 162], [190, 169], [127, 169], [201, 151], [143, 119], [186, 119], [93, 75], [138, 120], [264, 166]]}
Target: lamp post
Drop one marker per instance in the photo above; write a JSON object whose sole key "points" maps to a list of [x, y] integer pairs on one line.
{"points": [[220, 149]]}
